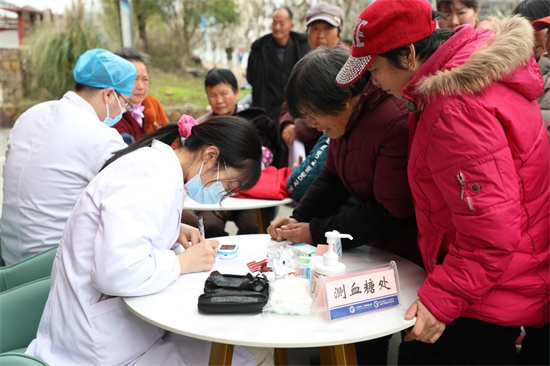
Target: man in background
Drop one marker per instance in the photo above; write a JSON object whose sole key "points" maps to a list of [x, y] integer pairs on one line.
{"points": [[271, 60], [324, 27]]}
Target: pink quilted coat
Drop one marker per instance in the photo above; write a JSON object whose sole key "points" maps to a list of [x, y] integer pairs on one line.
{"points": [[479, 173]]}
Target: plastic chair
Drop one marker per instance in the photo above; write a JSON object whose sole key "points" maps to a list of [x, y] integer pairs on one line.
{"points": [[20, 312], [19, 359], [30, 269]]}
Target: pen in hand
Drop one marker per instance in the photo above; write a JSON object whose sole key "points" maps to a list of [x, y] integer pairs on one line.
{"points": [[201, 227]]}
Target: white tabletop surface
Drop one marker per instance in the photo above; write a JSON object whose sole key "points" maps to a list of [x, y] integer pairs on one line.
{"points": [[232, 203], [175, 308]]}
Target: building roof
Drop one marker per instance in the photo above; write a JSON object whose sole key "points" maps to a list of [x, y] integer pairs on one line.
{"points": [[5, 5]]}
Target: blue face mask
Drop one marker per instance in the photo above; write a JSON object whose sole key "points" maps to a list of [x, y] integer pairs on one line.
{"points": [[214, 193], [110, 122]]}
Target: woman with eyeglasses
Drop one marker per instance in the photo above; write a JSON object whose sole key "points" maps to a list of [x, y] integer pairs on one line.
{"points": [[143, 112], [124, 238]]}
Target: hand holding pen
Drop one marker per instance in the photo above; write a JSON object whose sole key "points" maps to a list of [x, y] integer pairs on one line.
{"points": [[199, 254], [189, 236], [201, 230]]}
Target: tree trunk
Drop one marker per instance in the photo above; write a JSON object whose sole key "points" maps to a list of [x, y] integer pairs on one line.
{"points": [[184, 60], [142, 29]]}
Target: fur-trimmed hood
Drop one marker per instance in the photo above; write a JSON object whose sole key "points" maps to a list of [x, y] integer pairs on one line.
{"points": [[497, 55]]}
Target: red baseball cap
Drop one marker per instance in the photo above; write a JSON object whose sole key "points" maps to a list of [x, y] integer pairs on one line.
{"points": [[541, 24], [383, 26]]}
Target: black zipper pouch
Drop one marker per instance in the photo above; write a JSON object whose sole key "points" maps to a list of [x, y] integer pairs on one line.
{"points": [[234, 294]]}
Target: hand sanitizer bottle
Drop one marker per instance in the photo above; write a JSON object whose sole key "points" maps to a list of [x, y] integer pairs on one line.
{"points": [[330, 265]]}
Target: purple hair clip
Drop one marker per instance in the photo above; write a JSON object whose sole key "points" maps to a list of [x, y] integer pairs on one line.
{"points": [[185, 124]]}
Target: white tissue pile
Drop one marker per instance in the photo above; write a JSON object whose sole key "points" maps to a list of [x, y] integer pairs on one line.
{"points": [[290, 295]]}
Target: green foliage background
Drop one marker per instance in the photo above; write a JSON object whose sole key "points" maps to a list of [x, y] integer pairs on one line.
{"points": [[55, 48], [174, 28]]}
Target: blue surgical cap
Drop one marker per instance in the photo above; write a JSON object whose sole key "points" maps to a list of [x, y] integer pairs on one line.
{"points": [[103, 69]]}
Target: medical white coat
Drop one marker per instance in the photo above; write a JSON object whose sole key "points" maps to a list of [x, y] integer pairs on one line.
{"points": [[117, 243], [54, 150]]}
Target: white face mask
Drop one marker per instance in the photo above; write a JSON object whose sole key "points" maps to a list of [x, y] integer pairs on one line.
{"points": [[110, 122], [207, 195]]}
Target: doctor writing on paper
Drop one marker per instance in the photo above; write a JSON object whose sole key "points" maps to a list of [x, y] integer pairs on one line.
{"points": [[119, 241]]}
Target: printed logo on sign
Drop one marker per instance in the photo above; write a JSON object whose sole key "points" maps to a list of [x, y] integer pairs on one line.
{"points": [[358, 33]]}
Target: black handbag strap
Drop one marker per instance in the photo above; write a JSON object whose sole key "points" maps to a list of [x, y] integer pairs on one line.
{"points": [[236, 282]]}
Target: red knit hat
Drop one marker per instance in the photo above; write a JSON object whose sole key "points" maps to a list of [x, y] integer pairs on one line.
{"points": [[383, 26]]}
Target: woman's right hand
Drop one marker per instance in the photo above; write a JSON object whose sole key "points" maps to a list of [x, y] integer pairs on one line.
{"points": [[199, 257], [427, 327], [300, 161], [289, 134], [272, 229], [189, 235]]}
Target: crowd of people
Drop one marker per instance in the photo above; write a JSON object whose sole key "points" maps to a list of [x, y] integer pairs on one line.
{"points": [[427, 136]]}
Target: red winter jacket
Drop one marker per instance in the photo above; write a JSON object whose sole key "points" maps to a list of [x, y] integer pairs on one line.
{"points": [[479, 174]]}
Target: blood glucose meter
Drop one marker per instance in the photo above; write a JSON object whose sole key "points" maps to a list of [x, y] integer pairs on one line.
{"points": [[228, 251]]}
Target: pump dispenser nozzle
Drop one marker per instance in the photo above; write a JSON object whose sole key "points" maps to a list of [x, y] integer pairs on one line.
{"points": [[330, 263], [330, 258]]}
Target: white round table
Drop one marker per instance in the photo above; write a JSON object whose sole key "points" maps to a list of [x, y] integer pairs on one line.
{"points": [[175, 309]]}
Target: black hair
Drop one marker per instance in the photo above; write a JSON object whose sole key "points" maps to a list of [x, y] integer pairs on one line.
{"points": [[235, 137], [290, 13], [312, 86], [86, 88], [533, 9], [218, 76], [133, 55], [445, 5], [424, 48]]}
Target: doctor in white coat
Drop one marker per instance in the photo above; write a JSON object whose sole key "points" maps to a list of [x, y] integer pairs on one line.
{"points": [[119, 241], [56, 148]]}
